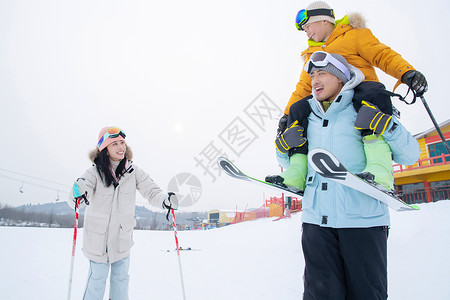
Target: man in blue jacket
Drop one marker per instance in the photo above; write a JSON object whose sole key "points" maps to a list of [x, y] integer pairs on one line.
{"points": [[344, 236]]}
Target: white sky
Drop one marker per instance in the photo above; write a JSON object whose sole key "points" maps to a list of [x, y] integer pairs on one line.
{"points": [[174, 75]]}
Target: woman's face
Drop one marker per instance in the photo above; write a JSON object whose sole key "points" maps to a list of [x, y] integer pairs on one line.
{"points": [[116, 150]]}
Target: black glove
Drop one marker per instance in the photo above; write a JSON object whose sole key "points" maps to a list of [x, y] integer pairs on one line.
{"points": [[282, 125], [371, 117], [291, 138], [171, 202], [416, 81]]}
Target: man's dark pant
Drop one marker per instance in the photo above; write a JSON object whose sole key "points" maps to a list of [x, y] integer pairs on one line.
{"points": [[346, 263]]}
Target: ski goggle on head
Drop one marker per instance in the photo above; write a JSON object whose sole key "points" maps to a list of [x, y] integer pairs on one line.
{"points": [[304, 15], [321, 59], [111, 132]]}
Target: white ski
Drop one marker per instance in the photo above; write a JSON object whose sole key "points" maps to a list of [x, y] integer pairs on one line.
{"points": [[328, 166], [231, 170]]}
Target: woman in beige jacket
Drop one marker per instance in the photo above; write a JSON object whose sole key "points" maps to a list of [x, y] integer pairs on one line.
{"points": [[110, 187]]}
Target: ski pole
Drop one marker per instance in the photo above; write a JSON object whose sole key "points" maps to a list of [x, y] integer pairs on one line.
{"points": [[74, 243], [447, 147], [178, 253]]}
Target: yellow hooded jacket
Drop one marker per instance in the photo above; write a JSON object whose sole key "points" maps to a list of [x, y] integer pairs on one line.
{"points": [[360, 48]]}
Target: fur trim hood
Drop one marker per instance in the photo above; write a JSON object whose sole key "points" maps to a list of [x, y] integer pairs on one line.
{"points": [[348, 22], [356, 20], [94, 153]]}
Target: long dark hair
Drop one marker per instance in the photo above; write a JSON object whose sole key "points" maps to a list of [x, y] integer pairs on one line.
{"points": [[103, 165]]}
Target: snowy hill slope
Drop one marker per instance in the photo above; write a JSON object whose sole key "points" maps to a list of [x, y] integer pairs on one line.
{"points": [[253, 260]]}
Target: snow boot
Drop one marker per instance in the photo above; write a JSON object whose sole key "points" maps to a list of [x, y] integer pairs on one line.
{"points": [[293, 177], [378, 162]]}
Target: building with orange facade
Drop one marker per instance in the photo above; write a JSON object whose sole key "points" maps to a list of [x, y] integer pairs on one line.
{"points": [[428, 180]]}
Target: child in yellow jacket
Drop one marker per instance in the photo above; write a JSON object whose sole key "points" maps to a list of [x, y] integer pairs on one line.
{"points": [[349, 38]]}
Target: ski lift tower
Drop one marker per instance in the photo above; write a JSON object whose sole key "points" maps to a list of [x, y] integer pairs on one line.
{"points": [[197, 222]]}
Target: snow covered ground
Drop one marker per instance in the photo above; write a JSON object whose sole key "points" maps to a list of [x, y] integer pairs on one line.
{"points": [[253, 260]]}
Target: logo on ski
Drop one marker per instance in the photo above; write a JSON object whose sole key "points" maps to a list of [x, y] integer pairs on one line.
{"points": [[230, 169], [327, 167]]}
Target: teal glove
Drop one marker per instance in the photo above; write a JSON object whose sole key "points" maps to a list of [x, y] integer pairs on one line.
{"points": [[79, 190]]}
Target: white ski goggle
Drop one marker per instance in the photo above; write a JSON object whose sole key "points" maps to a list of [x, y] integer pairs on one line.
{"points": [[321, 59]]}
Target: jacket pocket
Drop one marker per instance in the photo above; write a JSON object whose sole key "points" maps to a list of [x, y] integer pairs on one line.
{"points": [[125, 240], [310, 191], [127, 197], [362, 205], [94, 236]]}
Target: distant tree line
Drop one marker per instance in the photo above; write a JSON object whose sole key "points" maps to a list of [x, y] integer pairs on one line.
{"points": [[151, 223], [24, 216], [20, 215]]}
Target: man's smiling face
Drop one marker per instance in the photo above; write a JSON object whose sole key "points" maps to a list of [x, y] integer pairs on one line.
{"points": [[325, 86]]}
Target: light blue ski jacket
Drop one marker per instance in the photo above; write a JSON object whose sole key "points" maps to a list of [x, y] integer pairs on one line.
{"points": [[330, 204]]}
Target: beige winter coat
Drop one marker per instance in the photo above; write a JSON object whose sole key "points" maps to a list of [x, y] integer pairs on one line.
{"points": [[109, 217]]}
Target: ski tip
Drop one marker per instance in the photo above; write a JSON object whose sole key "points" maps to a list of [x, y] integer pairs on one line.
{"points": [[230, 169], [408, 207], [221, 159], [415, 207], [225, 163]]}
